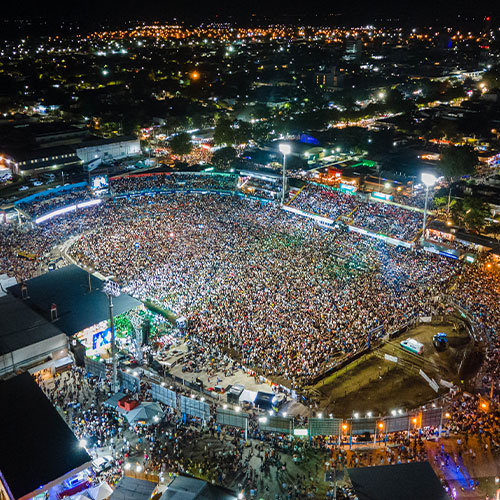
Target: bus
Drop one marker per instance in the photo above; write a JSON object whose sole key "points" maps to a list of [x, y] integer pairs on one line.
{"points": [[411, 345]]}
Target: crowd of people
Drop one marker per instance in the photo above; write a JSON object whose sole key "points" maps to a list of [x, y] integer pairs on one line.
{"points": [[51, 200], [260, 465], [282, 295], [254, 280], [174, 180], [390, 220]]}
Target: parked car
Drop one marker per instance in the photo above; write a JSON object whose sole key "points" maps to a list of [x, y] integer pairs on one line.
{"points": [[102, 463]]}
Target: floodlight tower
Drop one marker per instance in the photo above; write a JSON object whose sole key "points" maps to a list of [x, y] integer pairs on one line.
{"points": [[112, 289], [285, 149], [429, 180], [137, 322]]}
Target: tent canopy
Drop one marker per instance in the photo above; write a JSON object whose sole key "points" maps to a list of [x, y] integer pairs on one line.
{"points": [[145, 412]]}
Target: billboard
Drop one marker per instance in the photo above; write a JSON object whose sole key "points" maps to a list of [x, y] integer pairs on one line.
{"points": [[129, 382], [276, 424], [99, 182]]}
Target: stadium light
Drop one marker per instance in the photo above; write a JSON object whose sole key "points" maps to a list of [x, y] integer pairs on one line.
{"points": [[285, 149], [429, 180], [112, 289]]}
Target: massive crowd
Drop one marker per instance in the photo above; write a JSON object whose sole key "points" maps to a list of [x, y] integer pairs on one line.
{"points": [[390, 220], [253, 280], [286, 297], [54, 200], [175, 180], [260, 282]]}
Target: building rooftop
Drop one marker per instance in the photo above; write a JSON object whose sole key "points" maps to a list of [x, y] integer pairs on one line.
{"points": [[413, 481], [93, 142], [190, 488], [20, 326], [22, 154], [129, 488], [38, 448], [77, 308]]}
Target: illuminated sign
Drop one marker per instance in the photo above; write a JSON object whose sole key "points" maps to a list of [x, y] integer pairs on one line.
{"points": [[315, 217], [99, 182], [382, 196], [383, 237], [101, 339], [347, 188], [300, 432]]}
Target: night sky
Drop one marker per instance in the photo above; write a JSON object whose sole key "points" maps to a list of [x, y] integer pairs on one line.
{"points": [[197, 11]]}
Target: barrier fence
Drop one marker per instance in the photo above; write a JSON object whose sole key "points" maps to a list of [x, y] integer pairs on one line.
{"points": [[166, 396], [129, 382], [96, 368], [316, 426], [195, 408], [232, 418]]}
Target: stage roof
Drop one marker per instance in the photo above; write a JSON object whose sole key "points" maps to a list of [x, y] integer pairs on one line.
{"points": [[129, 488], [37, 445], [413, 481], [20, 326], [190, 488], [77, 308]]}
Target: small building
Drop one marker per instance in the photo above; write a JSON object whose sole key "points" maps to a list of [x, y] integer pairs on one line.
{"points": [[40, 160], [27, 340], [110, 149], [38, 449], [353, 50], [329, 79]]}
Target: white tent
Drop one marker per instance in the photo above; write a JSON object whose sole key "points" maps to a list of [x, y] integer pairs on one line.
{"points": [[247, 396], [100, 492], [81, 496], [146, 412]]}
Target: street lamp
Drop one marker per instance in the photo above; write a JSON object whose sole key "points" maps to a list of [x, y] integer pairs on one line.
{"points": [[112, 289], [429, 180], [285, 149]]}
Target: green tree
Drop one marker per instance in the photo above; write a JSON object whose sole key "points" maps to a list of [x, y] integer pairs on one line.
{"points": [[242, 133], [223, 157], [494, 230], [181, 144], [471, 212], [457, 161], [223, 133], [261, 131]]}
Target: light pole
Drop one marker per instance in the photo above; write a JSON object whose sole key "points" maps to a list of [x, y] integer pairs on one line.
{"points": [[285, 149], [112, 289], [429, 180], [90, 270], [137, 323]]}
